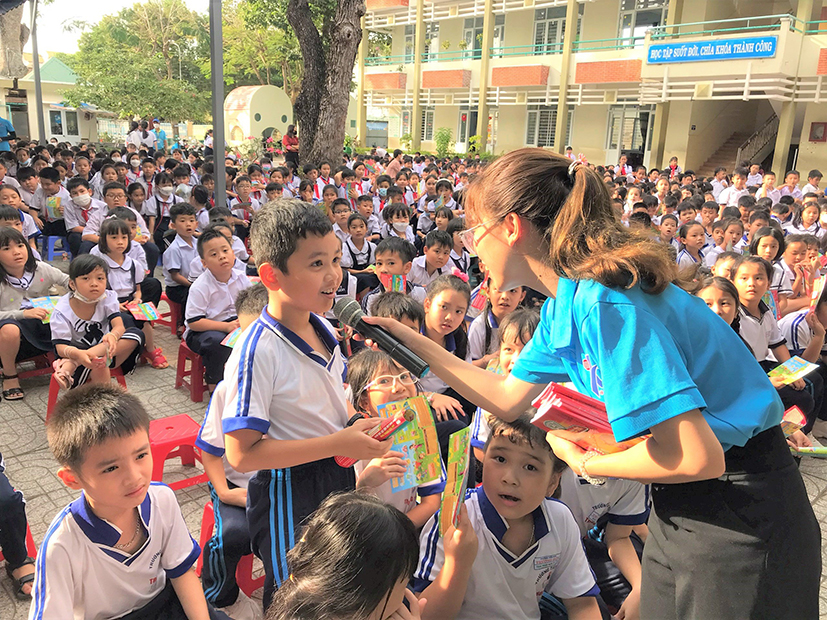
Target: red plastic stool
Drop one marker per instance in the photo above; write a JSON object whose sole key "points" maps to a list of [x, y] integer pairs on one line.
{"points": [[244, 572], [175, 437], [172, 318], [42, 366], [54, 389], [192, 379], [31, 549]]}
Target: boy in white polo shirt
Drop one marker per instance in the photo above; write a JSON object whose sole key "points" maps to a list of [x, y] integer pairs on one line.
{"points": [[286, 413], [514, 545], [122, 549], [179, 254], [210, 313], [428, 267]]}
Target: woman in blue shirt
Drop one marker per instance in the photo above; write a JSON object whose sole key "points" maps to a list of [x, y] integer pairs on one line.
{"points": [[733, 534]]}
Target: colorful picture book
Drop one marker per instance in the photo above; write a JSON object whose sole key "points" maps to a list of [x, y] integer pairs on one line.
{"points": [[144, 311], [417, 441], [398, 284], [577, 418], [816, 451], [53, 209], [792, 421], [792, 370], [48, 303], [771, 299], [370, 167], [818, 287], [231, 338], [459, 450]]}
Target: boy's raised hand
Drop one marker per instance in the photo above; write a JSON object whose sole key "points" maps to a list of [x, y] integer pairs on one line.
{"points": [[354, 442], [380, 470], [460, 542]]}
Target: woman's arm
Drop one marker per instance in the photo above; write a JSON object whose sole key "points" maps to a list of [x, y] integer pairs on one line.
{"points": [[681, 449], [504, 397]]}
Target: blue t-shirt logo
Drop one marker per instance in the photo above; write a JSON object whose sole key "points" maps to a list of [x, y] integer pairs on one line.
{"points": [[595, 380]]}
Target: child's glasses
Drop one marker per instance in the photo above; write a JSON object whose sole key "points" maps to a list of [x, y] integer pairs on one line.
{"points": [[387, 382], [467, 235]]}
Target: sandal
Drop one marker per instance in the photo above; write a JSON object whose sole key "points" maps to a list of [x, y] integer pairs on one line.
{"points": [[15, 393], [19, 583], [64, 379], [156, 358]]}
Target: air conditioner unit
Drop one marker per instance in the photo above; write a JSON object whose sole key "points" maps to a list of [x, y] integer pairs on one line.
{"points": [[521, 98], [703, 90], [610, 96]]}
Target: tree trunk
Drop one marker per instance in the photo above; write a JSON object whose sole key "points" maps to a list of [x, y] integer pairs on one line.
{"points": [[321, 105]]}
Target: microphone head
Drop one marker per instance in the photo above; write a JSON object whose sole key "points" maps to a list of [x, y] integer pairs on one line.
{"points": [[348, 311]]}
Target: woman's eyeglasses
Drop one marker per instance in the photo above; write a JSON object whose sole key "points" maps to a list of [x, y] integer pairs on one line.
{"points": [[467, 236]]}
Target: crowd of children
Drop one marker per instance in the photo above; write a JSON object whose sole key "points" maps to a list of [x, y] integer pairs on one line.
{"points": [[297, 389]]}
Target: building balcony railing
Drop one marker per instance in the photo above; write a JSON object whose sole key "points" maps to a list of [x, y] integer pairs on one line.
{"points": [[723, 26]]}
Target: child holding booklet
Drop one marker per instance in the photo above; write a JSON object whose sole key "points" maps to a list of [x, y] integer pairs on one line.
{"points": [[375, 379]]}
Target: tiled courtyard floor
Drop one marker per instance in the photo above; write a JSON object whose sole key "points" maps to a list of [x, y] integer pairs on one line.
{"points": [[32, 469]]}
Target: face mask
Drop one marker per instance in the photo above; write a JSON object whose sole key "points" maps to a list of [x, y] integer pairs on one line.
{"points": [[165, 191], [400, 226], [383, 191], [135, 163], [77, 295], [116, 158], [82, 200]]}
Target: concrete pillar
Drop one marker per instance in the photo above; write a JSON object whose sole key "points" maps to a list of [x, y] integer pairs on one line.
{"points": [[419, 50], [361, 107], [487, 42], [565, 63]]}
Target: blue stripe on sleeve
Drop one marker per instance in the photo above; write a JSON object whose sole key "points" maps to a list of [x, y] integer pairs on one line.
{"points": [[184, 566], [245, 369], [40, 568]]}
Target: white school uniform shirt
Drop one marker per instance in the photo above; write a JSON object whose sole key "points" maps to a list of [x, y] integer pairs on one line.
{"points": [[74, 215], [626, 502], [797, 333], [209, 298], [178, 256], [405, 499], [685, 259], [502, 585], [136, 252], [781, 283], [430, 382], [794, 192], [39, 201], [815, 229], [125, 277], [480, 429], [347, 288], [425, 224], [197, 268], [352, 256], [202, 218], [419, 272], [761, 333], [476, 336], [321, 183], [711, 256], [11, 181], [81, 575], [731, 195], [772, 194], [25, 195], [341, 234], [69, 329], [811, 188], [30, 229], [211, 437], [389, 231], [241, 214], [755, 179], [239, 249], [449, 204], [788, 271], [156, 206], [279, 386], [461, 262]]}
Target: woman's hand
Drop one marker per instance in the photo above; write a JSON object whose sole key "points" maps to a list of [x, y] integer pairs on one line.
{"points": [[566, 450], [397, 329]]}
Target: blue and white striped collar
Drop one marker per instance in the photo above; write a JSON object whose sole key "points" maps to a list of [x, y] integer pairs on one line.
{"points": [[298, 343], [498, 526], [98, 530]]}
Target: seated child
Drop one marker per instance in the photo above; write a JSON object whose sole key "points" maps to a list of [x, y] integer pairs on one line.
{"points": [[459, 255], [394, 257], [210, 313], [305, 192], [197, 266], [427, 268], [13, 218], [769, 244], [199, 199], [799, 270], [496, 562], [442, 217], [373, 546], [483, 339], [375, 379], [359, 254], [341, 212], [87, 329], [79, 210], [180, 253], [668, 228], [692, 239], [228, 491], [23, 334], [397, 222], [124, 533], [10, 196], [49, 201], [290, 354], [364, 206], [445, 191], [724, 264]]}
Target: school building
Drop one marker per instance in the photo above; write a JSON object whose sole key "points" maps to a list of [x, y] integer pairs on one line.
{"points": [[708, 81]]}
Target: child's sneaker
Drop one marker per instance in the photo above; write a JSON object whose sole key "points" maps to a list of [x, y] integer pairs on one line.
{"points": [[244, 608]]}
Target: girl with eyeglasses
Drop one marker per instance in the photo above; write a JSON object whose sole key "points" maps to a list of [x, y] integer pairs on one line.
{"points": [[375, 379]]}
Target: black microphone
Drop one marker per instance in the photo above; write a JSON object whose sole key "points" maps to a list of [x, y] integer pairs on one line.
{"points": [[349, 312]]}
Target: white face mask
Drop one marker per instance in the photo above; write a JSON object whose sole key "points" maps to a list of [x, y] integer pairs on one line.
{"points": [[77, 295], [135, 163], [82, 200], [116, 158], [400, 226], [165, 191]]}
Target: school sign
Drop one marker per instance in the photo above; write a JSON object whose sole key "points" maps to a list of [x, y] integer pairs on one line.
{"points": [[715, 49]]}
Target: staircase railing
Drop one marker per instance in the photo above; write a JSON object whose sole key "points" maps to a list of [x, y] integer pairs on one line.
{"points": [[757, 141]]}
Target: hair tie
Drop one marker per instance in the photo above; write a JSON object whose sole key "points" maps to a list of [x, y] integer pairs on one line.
{"points": [[580, 159], [462, 276]]}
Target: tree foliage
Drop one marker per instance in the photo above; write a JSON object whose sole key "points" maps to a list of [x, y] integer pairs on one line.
{"points": [[131, 62]]}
